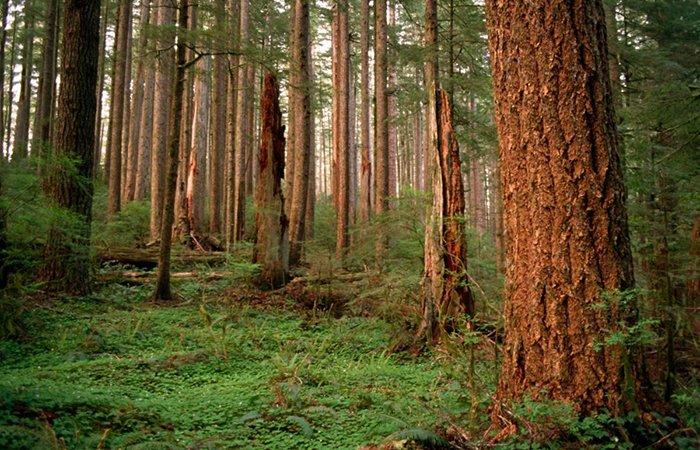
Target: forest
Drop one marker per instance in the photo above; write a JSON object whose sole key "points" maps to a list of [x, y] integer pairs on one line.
{"points": [[349, 224]]}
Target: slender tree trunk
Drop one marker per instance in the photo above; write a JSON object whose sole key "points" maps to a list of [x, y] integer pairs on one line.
{"points": [[341, 134], [311, 200], [381, 135], [198, 155], [21, 142], [3, 41], [446, 293], [417, 145], [301, 102], [126, 117], [100, 89], [564, 208], [163, 291], [392, 111], [694, 283], [250, 130], [271, 249], [231, 106], [120, 80], [291, 127], [161, 105], [138, 108], [352, 148], [7, 131], [365, 167], [66, 258], [218, 146], [47, 81], [241, 138]]}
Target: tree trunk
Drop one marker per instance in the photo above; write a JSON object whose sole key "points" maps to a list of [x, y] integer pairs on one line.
{"points": [[391, 114], [218, 145], [10, 88], [100, 89], [120, 80], [291, 127], [161, 105], [694, 283], [67, 258], [163, 291], [418, 144], [47, 82], [241, 138], [301, 102], [126, 117], [198, 156], [21, 142], [365, 167], [231, 106], [271, 249], [138, 107], [250, 130], [564, 209], [311, 200], [3, 41], [341, 150], [381, 134]]}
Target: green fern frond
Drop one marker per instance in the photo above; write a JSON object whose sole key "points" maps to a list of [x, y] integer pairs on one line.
{"points": [[421, 436], [303, 423]]}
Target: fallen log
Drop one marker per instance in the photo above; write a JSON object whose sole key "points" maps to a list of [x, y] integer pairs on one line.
{"points": [[147, 258]]}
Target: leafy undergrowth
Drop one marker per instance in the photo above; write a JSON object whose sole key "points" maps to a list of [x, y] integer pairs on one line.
{"points": [[219, 369]]}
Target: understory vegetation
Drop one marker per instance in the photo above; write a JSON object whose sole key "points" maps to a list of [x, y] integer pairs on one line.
{"points": [[329, 361]]}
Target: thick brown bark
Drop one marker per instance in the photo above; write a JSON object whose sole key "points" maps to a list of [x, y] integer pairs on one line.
{"points": [[250, 130], [161, 105], [341, 150], [21, 143], [365, 167], [218, 143], [301, 102], [564, 210], [67, 258], [163, 291], [694, 283], [138, 108], [271, 249], [145, 132], [291, 128], [120, 81], [126, 116]]}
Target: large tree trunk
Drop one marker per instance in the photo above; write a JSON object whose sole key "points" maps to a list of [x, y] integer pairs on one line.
{"points": [[341, 150], [66, 258], [163, 291], [311, 200], [161, 105], [120, 80], [138, 108], [145, 132], [564, 207], [392, 110], [21, 142], [301, 103], [271, 249], [198, 156], [365, 167]]}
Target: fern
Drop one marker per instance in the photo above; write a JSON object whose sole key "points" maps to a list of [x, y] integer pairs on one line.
{"points": [[303, 423], [422, 437]]}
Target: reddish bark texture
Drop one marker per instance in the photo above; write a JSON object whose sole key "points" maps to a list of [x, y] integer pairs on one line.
{"points": [[271, 249], [564, 208]]}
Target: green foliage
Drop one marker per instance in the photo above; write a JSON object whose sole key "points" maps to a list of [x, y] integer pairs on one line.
{"points": [[128, 228]]}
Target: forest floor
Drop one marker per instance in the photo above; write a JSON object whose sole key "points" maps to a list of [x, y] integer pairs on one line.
{"points": [[225, 366], [328, 362]]}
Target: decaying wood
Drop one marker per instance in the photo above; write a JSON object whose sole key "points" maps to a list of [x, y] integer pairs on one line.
{"points": [[148, 257], [271, 249]]}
